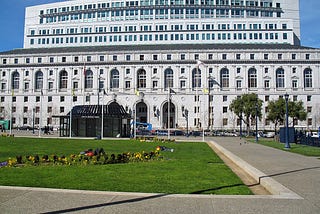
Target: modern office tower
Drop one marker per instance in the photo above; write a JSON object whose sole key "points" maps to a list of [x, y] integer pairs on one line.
{"points": [[101, 22], [199, 55]]}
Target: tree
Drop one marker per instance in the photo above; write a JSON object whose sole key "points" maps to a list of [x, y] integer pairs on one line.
{"points": [[245, 107], [277, 111], [297, 111]]}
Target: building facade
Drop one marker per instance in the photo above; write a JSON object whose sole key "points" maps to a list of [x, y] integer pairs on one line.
{"points": [[123, 22], [196, 79]]}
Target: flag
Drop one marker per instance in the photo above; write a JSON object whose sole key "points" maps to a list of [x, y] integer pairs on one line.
{"points": [[73, 94], [137, 92], [199, 63], [171, 91], [205, 90], [12, 92]]}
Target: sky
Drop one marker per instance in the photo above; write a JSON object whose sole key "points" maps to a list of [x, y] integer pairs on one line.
{"points": [[12, 22]]}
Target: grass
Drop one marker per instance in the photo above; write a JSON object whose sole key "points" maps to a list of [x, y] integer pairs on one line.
{"points": [[295, 148], [191, 168]]}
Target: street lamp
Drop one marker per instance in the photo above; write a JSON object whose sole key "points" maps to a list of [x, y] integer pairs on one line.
{"points": [[287, 144], [186, 115]]}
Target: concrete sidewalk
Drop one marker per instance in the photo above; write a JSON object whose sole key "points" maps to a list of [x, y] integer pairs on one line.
{"points": [[299, 174]]}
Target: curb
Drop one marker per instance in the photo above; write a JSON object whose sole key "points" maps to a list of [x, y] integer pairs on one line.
{"points": [[274, 187]]}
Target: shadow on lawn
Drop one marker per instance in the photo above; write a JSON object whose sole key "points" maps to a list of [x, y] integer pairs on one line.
{"points": [[75, 209]]}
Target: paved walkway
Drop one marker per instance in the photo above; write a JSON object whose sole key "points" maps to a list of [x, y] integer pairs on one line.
{"points": [[299, 174]]}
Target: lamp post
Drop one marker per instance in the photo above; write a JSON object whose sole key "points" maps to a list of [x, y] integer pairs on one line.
{"points": [[186, 115], [287, 144]]}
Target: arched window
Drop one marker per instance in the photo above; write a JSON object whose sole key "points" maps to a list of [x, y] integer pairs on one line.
{"points": [[196, 78], [307, 76], [63, 80], [252, 78], [168, 78], [224, 78], [88, 79], [39, 80], [15, 80], [279, 78], [114, 79], [142, 78]]}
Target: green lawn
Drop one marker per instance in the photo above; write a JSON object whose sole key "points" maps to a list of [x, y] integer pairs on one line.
{"points": [[295, 148], [191, 168]]}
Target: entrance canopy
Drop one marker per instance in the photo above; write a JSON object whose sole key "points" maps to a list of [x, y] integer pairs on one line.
{"points": [[94, 111], [91, 121]]}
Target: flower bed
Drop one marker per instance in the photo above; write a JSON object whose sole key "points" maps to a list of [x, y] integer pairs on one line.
{"points": [[90, 157]]}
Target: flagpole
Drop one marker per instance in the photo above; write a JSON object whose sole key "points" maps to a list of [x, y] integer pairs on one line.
{"points": [[135, 115], [203, 115], [40, 116], [135, 121], [12, 93], [102, 114], [70, 116], [197, 95], [168, 113]]}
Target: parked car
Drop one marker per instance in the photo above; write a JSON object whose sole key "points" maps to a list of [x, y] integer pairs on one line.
{"points": [[25, 128], [178, 133], [266, 134], [315, 135], [162, 132], [195, 133]]}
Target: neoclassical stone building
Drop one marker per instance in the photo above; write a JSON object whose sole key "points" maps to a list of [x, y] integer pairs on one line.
{"points": [[200, 55]]}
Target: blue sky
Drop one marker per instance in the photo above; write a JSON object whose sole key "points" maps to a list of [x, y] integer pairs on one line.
{"points": [[12, 22]]}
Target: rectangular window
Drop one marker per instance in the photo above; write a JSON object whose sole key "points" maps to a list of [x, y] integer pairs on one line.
{"points": [[267, 84], [309, 109], [307, 56], [238, 84], [155, 57], [294, 84], [224, 56], [127, 83], [154, 84], [309, 98], [225, 98], [224, 109], [182, 84]]}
